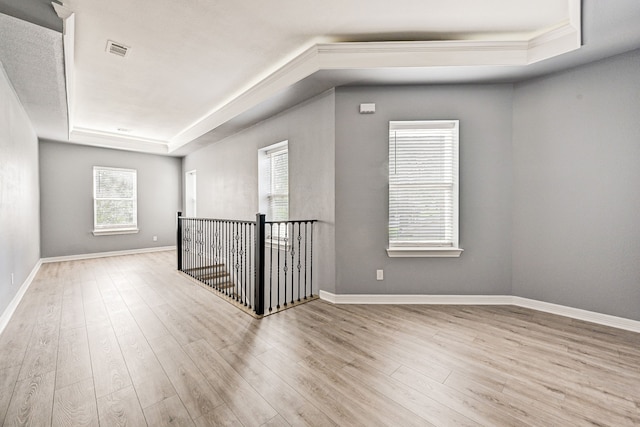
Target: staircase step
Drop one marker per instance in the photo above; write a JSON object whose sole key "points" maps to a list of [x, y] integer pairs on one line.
{"points": [[222, 286], [204, 267], [213, 275]]}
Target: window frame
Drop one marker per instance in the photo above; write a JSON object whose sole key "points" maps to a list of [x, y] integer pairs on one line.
{"points": [[271, 195], [446, 248], [130, 228], [264, 192]]}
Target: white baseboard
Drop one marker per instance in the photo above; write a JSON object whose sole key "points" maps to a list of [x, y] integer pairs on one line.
{"points": [[11, 308], [579, 314], [561, 310], [106, 254], [417, 299]]}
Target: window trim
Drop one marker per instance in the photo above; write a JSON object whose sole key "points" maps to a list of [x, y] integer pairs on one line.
{"points": [[264, 189], [272, 197], [399, 249], [125, 229]]}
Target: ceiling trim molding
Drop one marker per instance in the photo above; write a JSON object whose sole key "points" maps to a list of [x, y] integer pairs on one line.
{"points": [[68, 44], [371, 55], [558, 39], [292, 72], [120, 142]]}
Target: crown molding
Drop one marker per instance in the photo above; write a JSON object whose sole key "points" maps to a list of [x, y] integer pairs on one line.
{"points": [[547, 43], [68, 45], [551, 42], [300, 67], [110, 140]]}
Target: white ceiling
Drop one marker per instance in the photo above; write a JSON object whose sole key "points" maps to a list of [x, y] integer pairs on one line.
{"points": [[198, 71]]}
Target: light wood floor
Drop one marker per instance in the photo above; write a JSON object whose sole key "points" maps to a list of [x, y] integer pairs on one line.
{"points": [[128, 341]]}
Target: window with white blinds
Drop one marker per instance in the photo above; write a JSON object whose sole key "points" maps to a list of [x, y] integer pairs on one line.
{"points": [[423, 188], [278, 195], [114, 200]]}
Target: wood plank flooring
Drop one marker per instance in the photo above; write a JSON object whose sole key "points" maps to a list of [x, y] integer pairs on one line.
{"points": [[129, 341]]}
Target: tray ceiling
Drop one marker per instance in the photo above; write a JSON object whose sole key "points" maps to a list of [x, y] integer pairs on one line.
{"points": [[196, 72]]}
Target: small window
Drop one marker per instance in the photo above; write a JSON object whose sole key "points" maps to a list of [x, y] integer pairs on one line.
{"points": [[115, 209], [278, 196], [273, 188], [423, 188]]}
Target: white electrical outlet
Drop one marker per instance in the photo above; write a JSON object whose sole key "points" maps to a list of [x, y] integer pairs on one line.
{"points": [[155, 238], [379, 274]]}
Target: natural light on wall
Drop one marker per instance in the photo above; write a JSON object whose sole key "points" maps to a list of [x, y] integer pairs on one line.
{"points": [[423, 189]]}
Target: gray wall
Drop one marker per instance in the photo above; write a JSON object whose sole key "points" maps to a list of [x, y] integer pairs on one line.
{"points": [[485, 190], [576, 214], [19, 194], [66, 181], [227, 174]]}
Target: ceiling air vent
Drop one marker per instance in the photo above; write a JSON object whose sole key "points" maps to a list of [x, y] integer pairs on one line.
{"points": [[117, 48]]}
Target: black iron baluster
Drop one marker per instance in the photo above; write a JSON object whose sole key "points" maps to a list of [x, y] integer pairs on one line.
{"points": [[259, 294], [229, 238], [214, 253], [185, 247], [253, 265], [236, 256], [254, 270], [196, 247], [214, 242], [212, 260], [230, 257], [192, 246], [311, 264], [293, 252], [223, 254], [179, 239], [306, 265], [271, 267], [223, 261], [205, 250], [299, 264], [284, 255], [218, 241], [243, 262], [188, 246], [247, 258], [191, 250], [214, 248], [278, 271]]}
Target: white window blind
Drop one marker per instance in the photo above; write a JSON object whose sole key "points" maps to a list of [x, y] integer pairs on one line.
{"points": [[278, 196], [423, 184], [115, 199]]}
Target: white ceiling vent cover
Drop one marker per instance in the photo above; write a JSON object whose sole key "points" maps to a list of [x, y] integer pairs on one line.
{"points": [[117, 48]]}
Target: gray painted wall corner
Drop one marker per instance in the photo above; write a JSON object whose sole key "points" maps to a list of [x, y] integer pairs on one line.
{"points": [[576, 238], [67, 199], [19, 194]]}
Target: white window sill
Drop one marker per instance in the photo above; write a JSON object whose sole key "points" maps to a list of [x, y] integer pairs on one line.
{"points": [[424, 252], [115, 231]]}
